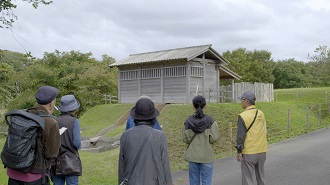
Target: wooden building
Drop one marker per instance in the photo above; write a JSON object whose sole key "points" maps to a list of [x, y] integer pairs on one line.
{"points": [[172, 76]]}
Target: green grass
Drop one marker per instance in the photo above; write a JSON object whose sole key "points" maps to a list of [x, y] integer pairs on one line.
{"points": [[100, 117], [3, 174], [101, 168], [306, 95], [98, 168]]}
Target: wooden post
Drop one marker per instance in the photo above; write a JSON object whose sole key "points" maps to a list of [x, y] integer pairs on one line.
{"points": [[289, 118], [320, 114], [307, 126], [220, 94], [105, 99], [275, 96], [204, 77], [230, 133], [110, 98], [223, 95], [233, 100]]}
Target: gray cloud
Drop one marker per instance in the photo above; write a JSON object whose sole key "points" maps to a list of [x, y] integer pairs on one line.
{"points": [[289, 29]]}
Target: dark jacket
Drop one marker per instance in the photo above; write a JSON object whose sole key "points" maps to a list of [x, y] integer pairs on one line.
{"points": [[50, 139], [153, 166], [67, 148], [207, 133]]}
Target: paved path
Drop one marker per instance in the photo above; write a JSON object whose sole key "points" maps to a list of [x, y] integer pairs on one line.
{"points": [[304, 160]]}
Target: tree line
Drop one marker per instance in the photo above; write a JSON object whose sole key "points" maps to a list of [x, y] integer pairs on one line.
{"points": [[258, 66], [71, 72], [89, 79]]}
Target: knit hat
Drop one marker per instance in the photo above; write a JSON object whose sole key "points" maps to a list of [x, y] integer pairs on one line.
{"points": [[144, 109], [68, 104], [46, 94]]}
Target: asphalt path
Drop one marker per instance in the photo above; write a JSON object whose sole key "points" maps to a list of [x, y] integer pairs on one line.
{"points": [[304, 160]]}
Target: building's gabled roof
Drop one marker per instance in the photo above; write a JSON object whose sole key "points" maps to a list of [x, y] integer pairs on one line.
{"points": [[226, 73], [187, 53]]}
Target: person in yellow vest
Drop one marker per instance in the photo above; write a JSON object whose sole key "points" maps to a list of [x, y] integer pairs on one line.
{"points": [[251, 141]]}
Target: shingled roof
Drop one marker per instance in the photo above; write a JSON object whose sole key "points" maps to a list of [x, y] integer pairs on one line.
{"points": [[186, 53]]}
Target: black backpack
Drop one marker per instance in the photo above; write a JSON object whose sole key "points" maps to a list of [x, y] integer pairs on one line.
{"points": [[20, 151]]}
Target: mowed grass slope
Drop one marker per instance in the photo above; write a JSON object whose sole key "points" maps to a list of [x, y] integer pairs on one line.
{"points": [[101, 168], [100, 117]]}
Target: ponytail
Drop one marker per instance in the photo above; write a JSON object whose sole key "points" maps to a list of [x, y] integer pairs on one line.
{"points": [[199, 103]]}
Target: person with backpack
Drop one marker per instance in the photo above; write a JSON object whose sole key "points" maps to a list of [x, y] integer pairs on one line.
{"points": [[143, 157], [68, 164], [200, 132], [40, 147], [251, 141]]}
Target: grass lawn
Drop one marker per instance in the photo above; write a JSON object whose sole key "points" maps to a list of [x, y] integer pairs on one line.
{"points": [[101, 168]]}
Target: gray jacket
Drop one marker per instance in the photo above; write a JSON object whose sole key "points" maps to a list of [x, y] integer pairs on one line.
{"points": [[153, 166]]}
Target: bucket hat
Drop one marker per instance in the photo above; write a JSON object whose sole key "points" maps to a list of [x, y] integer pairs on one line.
{"points": [[144, 109], [68, 103]]}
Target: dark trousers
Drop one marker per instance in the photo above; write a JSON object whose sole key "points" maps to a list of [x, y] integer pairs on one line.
{"points": [[37, 182]]}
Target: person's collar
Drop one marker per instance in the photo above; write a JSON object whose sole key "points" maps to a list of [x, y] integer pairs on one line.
{"points": [[250, 107], [41, 108]]}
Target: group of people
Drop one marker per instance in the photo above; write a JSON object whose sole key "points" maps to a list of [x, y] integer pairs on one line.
{"points": [[59, 143], [143, 156]]}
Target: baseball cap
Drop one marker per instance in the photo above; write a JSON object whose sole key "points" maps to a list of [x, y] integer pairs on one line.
{"points": [[248, 95]]}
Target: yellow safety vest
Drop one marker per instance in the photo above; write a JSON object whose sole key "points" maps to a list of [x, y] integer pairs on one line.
{"points": [[256, 138]]}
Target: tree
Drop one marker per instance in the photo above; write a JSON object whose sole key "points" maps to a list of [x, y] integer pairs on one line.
{"points": [[322, 54], [291, 74], [7, 9], [10, 64], [72, 73], [252, 66], [16, 60], [320, 64], [5, 90]]}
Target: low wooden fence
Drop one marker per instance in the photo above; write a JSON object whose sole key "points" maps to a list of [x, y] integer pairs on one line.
{"points": [[110, 98]]}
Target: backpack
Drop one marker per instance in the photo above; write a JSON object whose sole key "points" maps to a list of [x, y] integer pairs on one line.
{"points": [[20, 151]]}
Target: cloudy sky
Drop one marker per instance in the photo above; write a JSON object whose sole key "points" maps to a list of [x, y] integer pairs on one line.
{"points": [[287, 28]]}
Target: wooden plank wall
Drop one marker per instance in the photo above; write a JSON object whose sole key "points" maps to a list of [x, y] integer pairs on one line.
{"points": [[210, 78], [152, 88], [129, 91], [194, 83], [264, 92], [174, 89]]}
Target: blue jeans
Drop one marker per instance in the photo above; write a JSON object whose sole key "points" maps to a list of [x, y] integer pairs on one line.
{"points": [[69, 179], [200, 173]]}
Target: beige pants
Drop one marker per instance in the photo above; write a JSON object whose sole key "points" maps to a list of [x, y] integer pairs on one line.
{"points": [[253, 164]]}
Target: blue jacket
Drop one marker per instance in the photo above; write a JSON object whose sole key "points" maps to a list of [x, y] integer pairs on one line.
{"points": [[130, 123]]}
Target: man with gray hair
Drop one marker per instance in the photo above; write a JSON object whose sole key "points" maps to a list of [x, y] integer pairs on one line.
{"points": [[251, 141]]}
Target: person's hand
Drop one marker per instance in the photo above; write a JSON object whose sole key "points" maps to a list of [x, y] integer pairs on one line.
{"points": [[239, 157]]}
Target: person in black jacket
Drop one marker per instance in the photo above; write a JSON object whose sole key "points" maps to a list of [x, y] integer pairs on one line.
{"points": [[68, 165]]}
